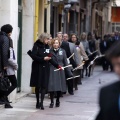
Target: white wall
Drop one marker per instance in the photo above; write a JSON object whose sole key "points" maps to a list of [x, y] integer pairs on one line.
{"points": [[27, 42], [9, 15]]}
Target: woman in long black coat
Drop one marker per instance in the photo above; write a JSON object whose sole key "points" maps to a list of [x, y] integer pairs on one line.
{"points": [[40, 67]]}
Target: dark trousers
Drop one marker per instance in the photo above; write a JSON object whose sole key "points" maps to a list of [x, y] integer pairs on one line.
{"points": [[70, 85], [105, 64], [37, 92], [13, 82], [58, 94]]}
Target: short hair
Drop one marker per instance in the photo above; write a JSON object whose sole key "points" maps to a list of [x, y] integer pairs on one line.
{"points": [[114, 51], [43, 36], [53, 41], [7, 28], [59, 33], [74, 34]]}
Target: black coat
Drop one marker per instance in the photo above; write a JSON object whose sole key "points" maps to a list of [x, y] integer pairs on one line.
{"points": [[4, 50], [40, 67], [92, 45], [104, 48], [111, 42], [109, 102], [66, 47]]}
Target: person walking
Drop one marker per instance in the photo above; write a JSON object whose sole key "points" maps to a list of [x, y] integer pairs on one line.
{"points": [[84, 41], [82, 55], [66, 47], [7, 60], [40, 67], [57, 79], [109, 98], [104, 45]]}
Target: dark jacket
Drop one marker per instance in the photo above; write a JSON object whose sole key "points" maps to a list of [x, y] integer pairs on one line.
{"points": [[66, 47], [111, 42], [109, 102], [40, 67], [92, 45], [104, 48], [4, 50]]}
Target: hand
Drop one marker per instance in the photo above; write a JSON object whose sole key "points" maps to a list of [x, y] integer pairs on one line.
{"points": [[50, 55], [59, 67], [47, 58], [91, 62], [5, 68]]}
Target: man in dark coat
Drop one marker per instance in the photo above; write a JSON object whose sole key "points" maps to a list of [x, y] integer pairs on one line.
{"points": [[6, 31], [66, 47], [4, 46], [109, 100], [104, 45]]}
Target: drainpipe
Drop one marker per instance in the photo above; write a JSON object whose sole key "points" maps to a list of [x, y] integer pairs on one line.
{"points": [[36, 26], [36, 20]]}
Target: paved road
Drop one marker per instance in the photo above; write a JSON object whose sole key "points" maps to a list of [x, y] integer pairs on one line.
{"points": [[82, 106]]}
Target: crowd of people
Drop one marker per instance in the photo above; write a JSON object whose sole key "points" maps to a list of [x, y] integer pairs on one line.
{"points": [[51, 55], [58, 63]]}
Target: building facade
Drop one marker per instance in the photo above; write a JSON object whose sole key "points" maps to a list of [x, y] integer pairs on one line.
{"points": [[30, 18]]}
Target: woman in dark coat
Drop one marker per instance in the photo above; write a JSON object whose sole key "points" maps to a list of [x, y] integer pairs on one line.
{"points": [[40, 67], [57, 80]]}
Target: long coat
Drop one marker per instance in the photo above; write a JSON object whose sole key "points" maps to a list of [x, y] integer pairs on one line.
{"points": [[40, 67], [4, 50], [57, 80], [81, 53], [73, 50], [86, 46], [66, 47]]}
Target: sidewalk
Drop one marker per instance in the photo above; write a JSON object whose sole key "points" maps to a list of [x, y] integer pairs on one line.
{"points": [[82, 106]]}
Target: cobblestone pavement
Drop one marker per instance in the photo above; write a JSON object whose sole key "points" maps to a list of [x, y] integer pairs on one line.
{"points": [[82, 106]]}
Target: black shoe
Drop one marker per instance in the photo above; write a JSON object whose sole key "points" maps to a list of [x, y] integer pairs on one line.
{"points": [[8, 106], [57, 104], [51, 105], [71, 93], [42, 107], [38, 105]]}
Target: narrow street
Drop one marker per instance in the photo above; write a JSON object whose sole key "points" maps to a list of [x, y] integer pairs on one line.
{"points": [[82, 106]]}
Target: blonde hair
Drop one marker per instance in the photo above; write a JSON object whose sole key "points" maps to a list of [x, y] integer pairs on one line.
{"points": [[53, 41], [43, 36], [83, 34]]}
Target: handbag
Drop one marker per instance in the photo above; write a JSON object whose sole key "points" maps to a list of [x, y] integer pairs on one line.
{"points": [[4, 82]]}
